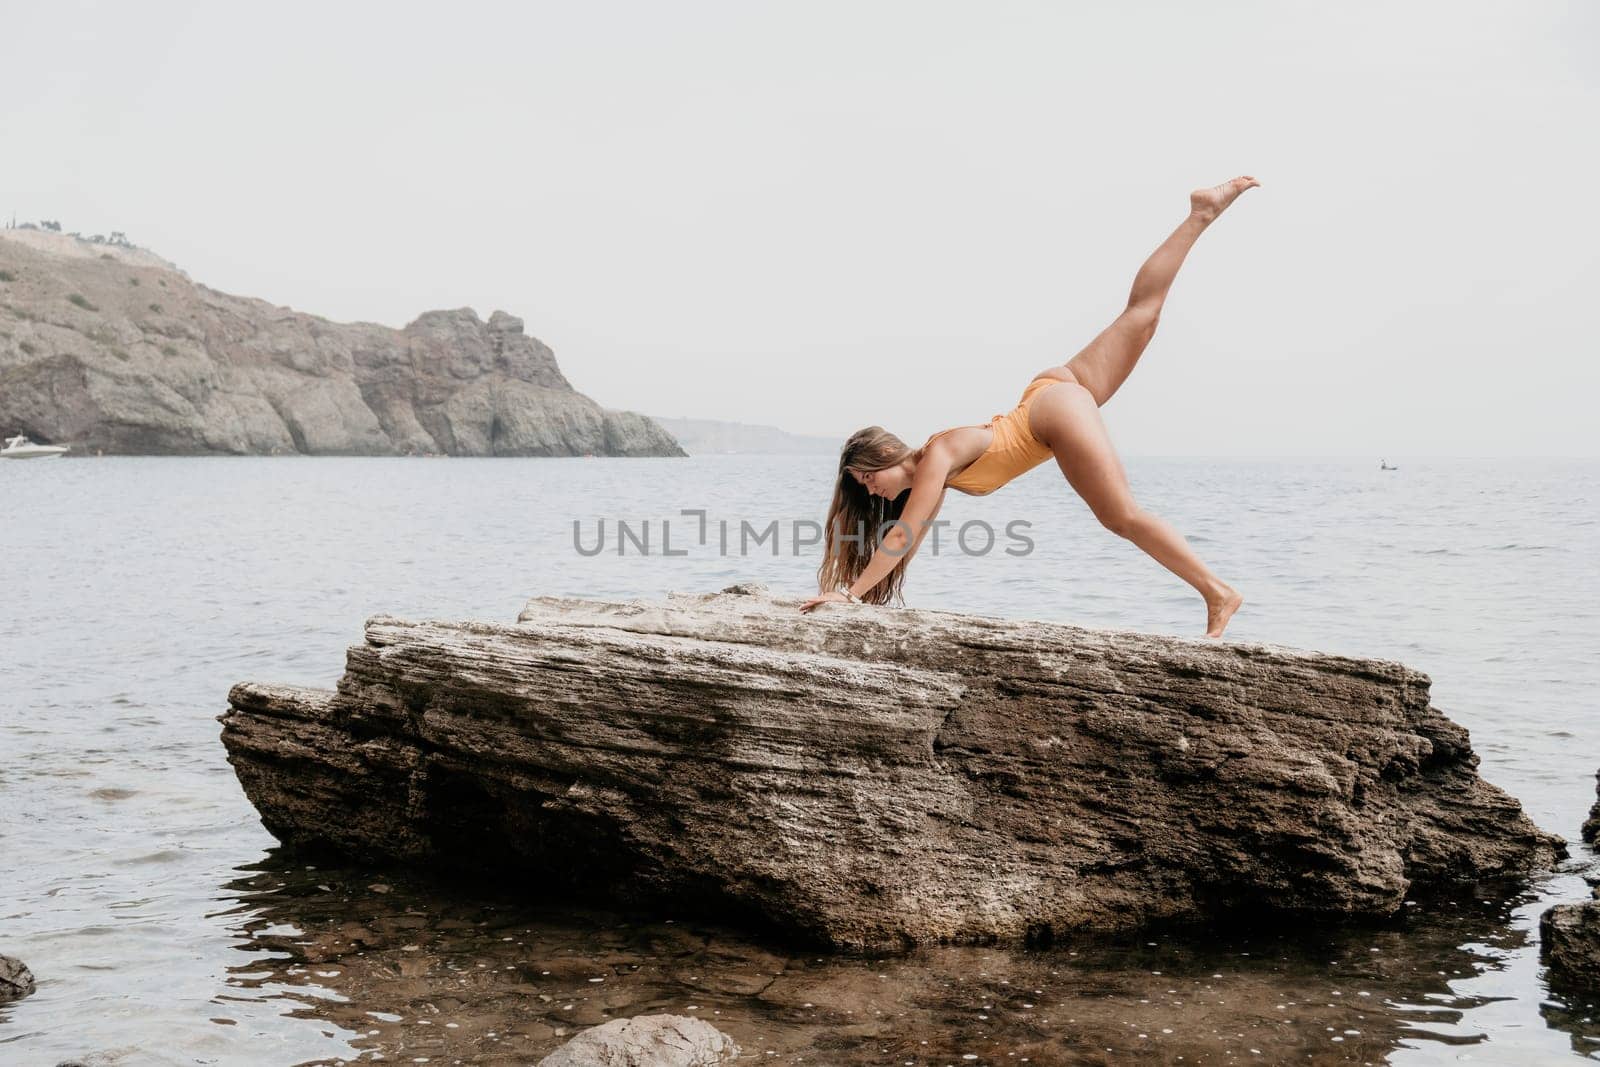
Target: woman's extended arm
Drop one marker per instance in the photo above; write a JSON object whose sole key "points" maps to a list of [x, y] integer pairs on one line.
{"points": [[904, 536], [927, 496]]}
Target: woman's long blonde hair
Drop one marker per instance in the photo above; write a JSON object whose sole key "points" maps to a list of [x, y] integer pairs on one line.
{"points": [[856, 518]]}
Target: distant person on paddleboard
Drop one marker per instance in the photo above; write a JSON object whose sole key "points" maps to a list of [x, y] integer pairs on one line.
{"points": [[882, 479]]}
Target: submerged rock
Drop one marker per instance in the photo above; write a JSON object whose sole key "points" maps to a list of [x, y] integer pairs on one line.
{"points": [[867, 777], [647, 1041], [16, 981]]}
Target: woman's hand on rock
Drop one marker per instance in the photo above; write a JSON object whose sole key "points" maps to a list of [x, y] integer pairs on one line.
{"points": [[826, 598]]}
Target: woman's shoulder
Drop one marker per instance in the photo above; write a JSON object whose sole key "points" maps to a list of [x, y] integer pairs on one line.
{"points": [[959, 453]]}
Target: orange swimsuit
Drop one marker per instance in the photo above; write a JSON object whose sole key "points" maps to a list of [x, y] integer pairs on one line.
{"points": [[1013, 451]]}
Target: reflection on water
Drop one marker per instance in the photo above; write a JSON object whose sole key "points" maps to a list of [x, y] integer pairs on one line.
{"points": [[404, 969]]}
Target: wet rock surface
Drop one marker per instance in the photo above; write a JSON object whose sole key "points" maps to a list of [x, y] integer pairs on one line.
{"points": [[16, 981], [1591, 825], [130, 357], [1569, 941], [647, 1041], [872, 779], [1569, 934]]}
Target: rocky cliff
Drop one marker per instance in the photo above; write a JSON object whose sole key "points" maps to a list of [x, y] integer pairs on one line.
{"points": [[870, 778], [112, 352]]}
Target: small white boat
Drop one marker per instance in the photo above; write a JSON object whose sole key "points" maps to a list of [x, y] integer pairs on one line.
{"points": [[19, 447]]}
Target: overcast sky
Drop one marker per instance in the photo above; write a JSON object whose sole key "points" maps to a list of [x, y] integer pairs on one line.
{"points": [[827, 215]]}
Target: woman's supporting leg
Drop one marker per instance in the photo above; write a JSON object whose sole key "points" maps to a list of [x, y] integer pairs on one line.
{"points": [[1067, 418], [1105, 363]]}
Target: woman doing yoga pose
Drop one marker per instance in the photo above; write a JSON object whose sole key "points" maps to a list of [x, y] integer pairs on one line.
{"points": [[881, 479]]}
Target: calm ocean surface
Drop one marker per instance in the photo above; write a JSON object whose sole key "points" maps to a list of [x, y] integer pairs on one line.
{"points": [[164, 926]]}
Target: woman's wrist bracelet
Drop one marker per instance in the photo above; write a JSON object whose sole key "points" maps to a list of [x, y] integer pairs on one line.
{"points": [[848, 595]]}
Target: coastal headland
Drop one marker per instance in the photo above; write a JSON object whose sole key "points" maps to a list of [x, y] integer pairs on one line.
{"points": [[112, 350]]}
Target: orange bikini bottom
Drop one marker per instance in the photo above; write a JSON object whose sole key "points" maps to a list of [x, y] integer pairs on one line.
{"points": [[1013, 451]]}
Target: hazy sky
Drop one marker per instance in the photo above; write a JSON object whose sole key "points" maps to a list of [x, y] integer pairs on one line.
{"points": [[826, 215]]}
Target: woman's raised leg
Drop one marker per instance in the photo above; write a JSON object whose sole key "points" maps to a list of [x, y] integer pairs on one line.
{"points": [[1066, 417], [1105, 363]]}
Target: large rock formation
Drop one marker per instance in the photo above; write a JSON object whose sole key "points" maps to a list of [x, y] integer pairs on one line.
{"points": [[869, 777], [111, 354]]}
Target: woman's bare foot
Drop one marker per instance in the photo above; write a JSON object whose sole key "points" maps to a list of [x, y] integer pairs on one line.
{"points": [[1220, 610], [1209, 203]]}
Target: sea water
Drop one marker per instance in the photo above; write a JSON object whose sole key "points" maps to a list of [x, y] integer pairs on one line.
{"points": [[164, 925]]}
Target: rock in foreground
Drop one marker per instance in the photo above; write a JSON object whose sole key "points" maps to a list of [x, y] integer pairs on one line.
{"points": [[1569, 934], [1569, 941], [16, 981], [868, 778], [647, 1041]]}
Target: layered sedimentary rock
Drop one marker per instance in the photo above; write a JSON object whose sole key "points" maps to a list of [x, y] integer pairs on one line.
{"points": [[121, 355], [867, 777]]}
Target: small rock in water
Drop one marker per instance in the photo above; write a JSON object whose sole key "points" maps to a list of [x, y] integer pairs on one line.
{"points": [[1591, 825], [746, 588], [16, 981], [1569, 941], [647, 1041]]}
